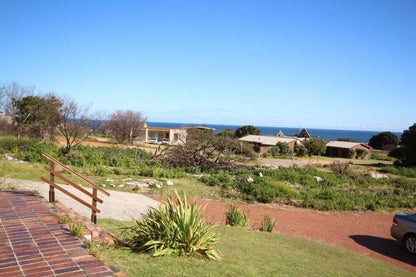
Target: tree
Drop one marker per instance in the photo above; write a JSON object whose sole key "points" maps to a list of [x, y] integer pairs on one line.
{"points": [[74, 124], [125, 125], [246, 130], [37, 116], [408, 143], [315, 146], [10, 91], [384, 141], [226, 133], [345, 139], [101, 122]]}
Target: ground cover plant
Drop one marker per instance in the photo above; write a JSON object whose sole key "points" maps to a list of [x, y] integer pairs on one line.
{"points": [[251, 253]]}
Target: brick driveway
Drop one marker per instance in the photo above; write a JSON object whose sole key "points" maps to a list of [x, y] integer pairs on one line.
{"points": [[33, 243]]}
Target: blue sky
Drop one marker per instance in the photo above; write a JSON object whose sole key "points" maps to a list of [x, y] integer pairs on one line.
{"points": [[315, 64]]}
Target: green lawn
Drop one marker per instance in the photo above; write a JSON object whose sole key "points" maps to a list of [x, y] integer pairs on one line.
{"points": [[252, 253]]}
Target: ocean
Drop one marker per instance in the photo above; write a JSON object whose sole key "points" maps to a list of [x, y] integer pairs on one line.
{"points": [[327, 134]]}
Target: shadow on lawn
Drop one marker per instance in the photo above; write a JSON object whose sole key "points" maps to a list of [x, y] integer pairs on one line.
{"points": [[387, 247]]}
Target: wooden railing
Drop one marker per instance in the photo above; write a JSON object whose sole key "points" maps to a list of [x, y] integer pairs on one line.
{"points": [[53, 186]]}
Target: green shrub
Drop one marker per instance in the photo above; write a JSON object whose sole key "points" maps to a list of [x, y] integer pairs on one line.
{"points": [[300, 150], [275, 151], [268, 224], [222, 179], [175, 228], [236, 216]]}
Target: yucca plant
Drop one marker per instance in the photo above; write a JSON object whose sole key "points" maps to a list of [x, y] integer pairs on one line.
{"points": [[236, 216], [267, 225], [176, 227]]}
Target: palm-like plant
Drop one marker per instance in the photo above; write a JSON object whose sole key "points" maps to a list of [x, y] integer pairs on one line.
{"points": [[176, 227]]}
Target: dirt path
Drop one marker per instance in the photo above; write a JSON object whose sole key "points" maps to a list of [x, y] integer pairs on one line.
{"points": [[367, 233]]}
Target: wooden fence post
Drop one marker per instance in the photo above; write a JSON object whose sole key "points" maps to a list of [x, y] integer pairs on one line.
{"points": [[94, 204], [52, 178]]}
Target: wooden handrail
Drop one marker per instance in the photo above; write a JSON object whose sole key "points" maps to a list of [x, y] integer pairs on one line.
{"points": [[75, 173], [69, 182], [53, 186], [70, 195]]}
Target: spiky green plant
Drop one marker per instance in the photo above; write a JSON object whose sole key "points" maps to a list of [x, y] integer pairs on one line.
{"points": [[267, 225], [175, 228], [236, 216]]}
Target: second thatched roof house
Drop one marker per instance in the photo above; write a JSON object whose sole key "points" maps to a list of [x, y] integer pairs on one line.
{"points": [[262, 144]]}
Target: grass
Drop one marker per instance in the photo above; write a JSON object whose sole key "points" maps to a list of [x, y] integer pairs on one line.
{"points": [[26, 171], [252, 253]]}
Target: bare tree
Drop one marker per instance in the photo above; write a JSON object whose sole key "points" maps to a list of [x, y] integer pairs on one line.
{"points": [[125, 125], [101, 121], [10, 91], [74, 126]]}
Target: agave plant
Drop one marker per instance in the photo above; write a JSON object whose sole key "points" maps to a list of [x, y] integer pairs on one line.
{"points": [[176, 227]]}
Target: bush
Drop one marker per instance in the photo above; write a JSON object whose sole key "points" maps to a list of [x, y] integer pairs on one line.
{"points": [[315, 146], [340, 168], [275, 151], [284, 148], [175, 228], [300, 150], [222, 179], [236, 216], [268, 224]]}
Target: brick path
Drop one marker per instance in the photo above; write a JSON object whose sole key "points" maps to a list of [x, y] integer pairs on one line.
{"points": [[33, 243]]}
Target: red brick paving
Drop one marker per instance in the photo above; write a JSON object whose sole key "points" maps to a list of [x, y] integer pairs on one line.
{"points": [[33, 243]]}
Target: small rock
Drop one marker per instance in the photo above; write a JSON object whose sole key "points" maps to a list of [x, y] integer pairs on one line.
{"points": [[249, 180], [158, 186], [376, 175], [103, 185], [318, 179], [121, 186], [112, 185], [169, 183], [87, 237], [260, 174]]}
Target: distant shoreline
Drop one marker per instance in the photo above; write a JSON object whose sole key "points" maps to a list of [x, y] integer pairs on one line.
{"points": [[327, 134]]}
